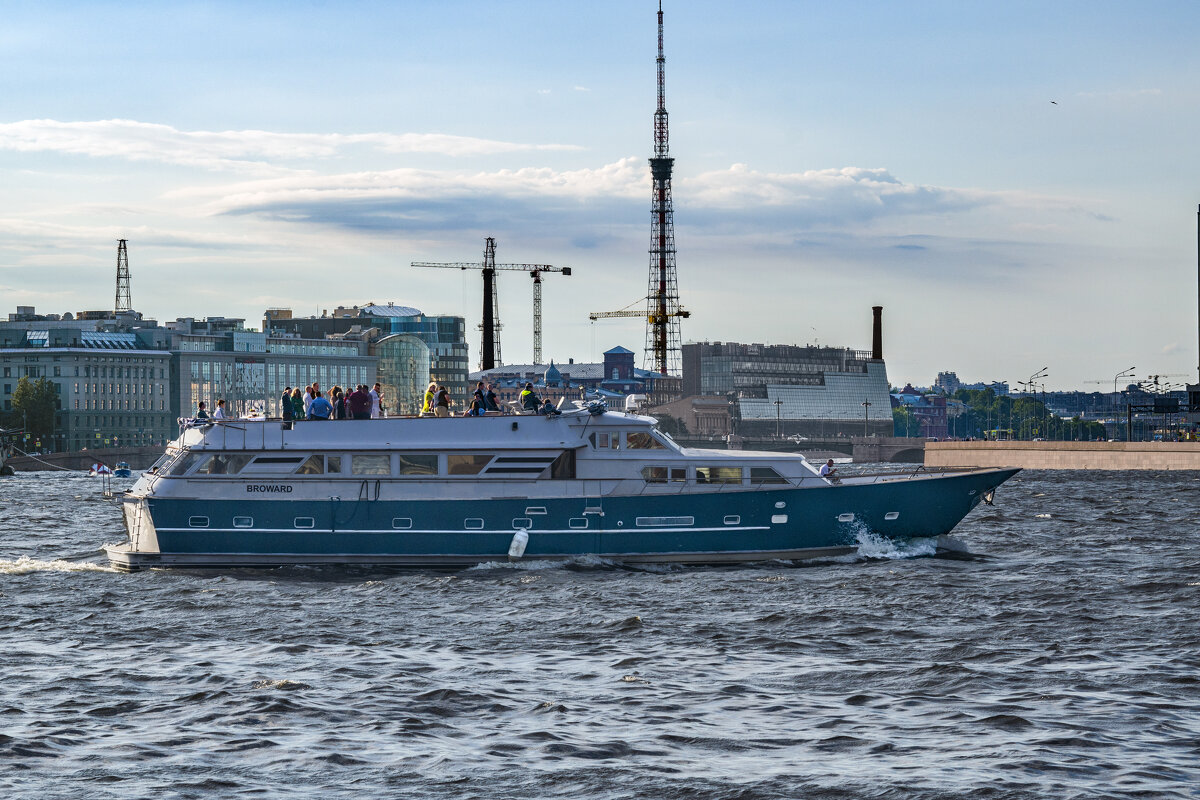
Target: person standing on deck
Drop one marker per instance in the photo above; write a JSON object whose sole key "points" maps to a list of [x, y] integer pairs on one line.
{"points": [[297, 404], [219, 413], [490, 401], [285, 403], [376, 395], [430, 400], [442, 407], [359, 403], [201, 411], [320, 407]]}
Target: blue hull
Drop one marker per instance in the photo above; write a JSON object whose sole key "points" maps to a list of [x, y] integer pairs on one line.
{"points": [[715, 527]]}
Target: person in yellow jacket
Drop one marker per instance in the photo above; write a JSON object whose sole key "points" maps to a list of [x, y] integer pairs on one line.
{"points": [[430, 394]]}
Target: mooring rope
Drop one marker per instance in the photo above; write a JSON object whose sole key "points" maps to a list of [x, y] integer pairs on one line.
{"points": [[40, 461]]}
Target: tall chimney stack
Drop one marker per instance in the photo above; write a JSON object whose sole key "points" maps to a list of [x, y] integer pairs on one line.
{"points": [[877, 334]]}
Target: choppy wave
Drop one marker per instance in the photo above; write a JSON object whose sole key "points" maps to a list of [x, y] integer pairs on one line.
{"points": [[1057, 660]]}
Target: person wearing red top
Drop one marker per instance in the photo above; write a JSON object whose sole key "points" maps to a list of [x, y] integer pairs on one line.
{"points": [[359, 403]]}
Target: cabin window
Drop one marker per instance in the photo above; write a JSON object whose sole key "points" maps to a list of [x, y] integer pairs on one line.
{"points": [[529, 466], [402, 523], [535, 510], [411, 464], [563, 468], [184, 464], [197, 522], [654, 474], [760, 475], [313, 465], [718, 474], [333, 465], [473, 524], [280, 465], [467, 465], [243, 522], [605, 441], [641, 440], [664, 522], [304, 522], [370, 464], [522, 522], [223, 464]]}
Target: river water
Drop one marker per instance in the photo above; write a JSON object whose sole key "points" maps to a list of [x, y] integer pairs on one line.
{"points": [[1058, 656]]}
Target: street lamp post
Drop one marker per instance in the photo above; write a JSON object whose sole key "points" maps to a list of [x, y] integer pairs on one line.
{"points": [[1031, 385], [1125, 373], [866, 411], [778, 419]]}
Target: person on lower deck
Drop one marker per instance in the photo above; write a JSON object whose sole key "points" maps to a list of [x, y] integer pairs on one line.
{"points": [[548, 409], [490, 401], [827, 469], [219, 412], [376, 394], [285, 403], [201, 411]]}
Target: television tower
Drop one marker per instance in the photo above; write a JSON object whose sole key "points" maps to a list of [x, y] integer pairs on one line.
{"points": [[124, 303], [662, 295]]}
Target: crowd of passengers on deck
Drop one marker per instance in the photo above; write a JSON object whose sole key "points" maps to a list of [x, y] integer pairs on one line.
{"points": [[363, 402]]}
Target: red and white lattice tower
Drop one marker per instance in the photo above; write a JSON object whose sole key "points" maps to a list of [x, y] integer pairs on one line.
{"points": [[662, 296]]}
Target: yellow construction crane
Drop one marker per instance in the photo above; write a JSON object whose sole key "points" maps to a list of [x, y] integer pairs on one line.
{"points": [[628, 311]]}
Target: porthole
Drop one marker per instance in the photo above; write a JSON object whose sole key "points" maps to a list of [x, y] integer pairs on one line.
{"points": [[198, 522], [578, 523], [522, 523], [892, 515], [304, 522], [401, 523], [845, 518], [733, 519], [778, 519], [243, 522], [473, 524], [535, 510], [781, 504]]}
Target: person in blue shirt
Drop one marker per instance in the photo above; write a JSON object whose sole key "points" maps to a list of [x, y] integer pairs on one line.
{"points": [[320, 407]]}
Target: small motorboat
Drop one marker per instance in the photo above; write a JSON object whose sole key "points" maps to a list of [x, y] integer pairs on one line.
{"points": [[123, 470]]}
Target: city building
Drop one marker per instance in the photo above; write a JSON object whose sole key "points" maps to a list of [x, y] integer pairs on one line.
{"points": [[218, 358], [443, 336], [111, 386], [612, 379], [931, 411], [789, 390]]}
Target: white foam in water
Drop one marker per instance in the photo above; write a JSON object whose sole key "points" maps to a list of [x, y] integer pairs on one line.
{"points": [[25, 565], [872, 545]]}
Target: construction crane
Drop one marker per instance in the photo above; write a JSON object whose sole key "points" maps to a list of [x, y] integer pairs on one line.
{"points": [[660, 361], [1125, 373], [490, 346]]}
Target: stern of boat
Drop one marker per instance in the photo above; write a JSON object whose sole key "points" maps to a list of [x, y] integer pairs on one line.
{"points": [[141, 548]]}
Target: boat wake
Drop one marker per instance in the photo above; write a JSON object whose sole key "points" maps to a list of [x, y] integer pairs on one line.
{"points": [[873, 546], [25, 565]]}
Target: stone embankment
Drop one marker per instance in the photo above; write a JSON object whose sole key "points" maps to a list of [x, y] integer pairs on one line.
{"points": [[1065, 455]]}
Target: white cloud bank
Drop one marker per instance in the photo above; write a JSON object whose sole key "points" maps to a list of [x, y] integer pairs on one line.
{"points": [[250, 150]]}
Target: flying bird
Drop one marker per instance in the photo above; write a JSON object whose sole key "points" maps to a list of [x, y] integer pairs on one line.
{"points": [[1055, 102]]}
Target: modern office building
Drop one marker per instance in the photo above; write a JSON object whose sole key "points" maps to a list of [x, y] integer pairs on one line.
{"points": [[444, 336], [786, 390], [217, 358]]}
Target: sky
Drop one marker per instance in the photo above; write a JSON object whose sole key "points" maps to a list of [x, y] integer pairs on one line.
{"points": [[1015, 183]]}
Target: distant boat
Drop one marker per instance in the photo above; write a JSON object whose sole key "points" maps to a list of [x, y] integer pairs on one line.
{"points": [[100, 469], [455, 492], [122, 470]]}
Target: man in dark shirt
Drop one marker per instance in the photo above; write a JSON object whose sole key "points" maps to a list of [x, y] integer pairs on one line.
{"points": [[359, 402]]}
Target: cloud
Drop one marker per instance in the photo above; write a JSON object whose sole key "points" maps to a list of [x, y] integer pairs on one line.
{"points": [[247, 151]]}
